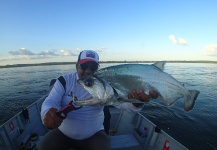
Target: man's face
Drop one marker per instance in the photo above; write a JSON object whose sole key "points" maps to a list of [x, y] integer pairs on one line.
{"points": [[86, 69]]}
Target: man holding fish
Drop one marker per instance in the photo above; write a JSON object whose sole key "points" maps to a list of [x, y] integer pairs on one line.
{"points": [[83, 127]]}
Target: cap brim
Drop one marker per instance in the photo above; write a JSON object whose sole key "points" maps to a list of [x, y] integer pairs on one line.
{"points": [[86, 60]]}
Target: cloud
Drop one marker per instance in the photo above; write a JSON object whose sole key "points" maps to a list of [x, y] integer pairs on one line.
{"points": [[211, 50], [79, 49], [179, 41], [99, 50], [9, 58], [67, 53], [48, 53], [173, 39], [22, 51]]}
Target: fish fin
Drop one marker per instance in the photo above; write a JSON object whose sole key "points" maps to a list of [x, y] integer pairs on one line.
{"points": [[170, 101], [189, 103], [160, 64]]}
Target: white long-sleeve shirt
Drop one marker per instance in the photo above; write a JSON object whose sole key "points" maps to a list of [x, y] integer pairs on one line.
{"points": [[82, 123]]}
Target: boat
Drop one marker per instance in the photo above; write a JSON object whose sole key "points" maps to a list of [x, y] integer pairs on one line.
{"points": [[128, 131]]}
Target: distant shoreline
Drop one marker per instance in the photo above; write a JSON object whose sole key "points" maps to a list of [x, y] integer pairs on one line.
{"points": [[67, 63]]}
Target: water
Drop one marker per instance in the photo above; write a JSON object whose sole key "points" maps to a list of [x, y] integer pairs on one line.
{"points": [[196, 129]]}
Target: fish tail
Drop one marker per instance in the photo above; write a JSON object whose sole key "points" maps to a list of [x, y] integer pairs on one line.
{"points": [[190, 101]]}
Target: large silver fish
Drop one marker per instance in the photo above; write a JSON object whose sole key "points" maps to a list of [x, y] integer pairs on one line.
{"points": [[113, 84]]}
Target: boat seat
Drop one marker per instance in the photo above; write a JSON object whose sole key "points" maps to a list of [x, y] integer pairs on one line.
{"points": [[125, 142]]}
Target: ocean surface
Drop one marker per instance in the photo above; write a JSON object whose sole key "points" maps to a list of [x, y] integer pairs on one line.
{"points": [[197, 129]]}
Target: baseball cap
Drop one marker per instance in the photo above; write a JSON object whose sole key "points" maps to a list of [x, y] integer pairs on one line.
{"points": [[88, 56]]}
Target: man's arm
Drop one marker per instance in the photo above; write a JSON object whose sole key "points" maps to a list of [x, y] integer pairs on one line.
{"points": [[51, 104]]}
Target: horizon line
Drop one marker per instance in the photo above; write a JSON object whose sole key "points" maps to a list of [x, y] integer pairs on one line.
{"points": [[65, 63]]}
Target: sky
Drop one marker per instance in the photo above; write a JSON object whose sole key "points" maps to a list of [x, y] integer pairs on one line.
{"points": [[39, 31]]}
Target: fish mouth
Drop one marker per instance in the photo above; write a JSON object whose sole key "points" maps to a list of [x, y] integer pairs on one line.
{"points": [[88, 80]]}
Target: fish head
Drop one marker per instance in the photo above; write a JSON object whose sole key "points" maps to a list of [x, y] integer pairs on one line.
{"points": [[99, 89]]}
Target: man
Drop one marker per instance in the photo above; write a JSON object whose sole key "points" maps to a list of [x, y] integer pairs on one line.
{"points": [[82, 128]]}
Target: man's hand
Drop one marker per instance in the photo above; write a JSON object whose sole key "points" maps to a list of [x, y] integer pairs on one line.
{"points": [[142, 96], [51, 119]]}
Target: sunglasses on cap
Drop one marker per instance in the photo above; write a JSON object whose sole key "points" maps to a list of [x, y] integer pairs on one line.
{"points": [[93, 66]]}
